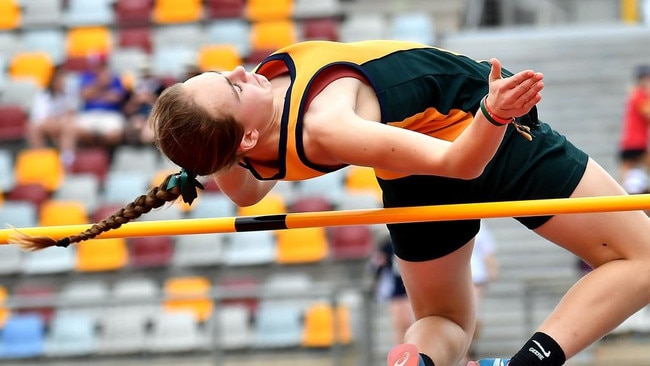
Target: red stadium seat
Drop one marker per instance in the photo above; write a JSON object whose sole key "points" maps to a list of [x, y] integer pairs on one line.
{"points": [[31, 192], [224, 8], [321, 29], [13, 122], [133, 12], [135, 37], [351, 242], [150, 252], [95, 161]]}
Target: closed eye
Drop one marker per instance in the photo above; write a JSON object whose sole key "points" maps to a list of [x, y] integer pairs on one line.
{"points": [[238, 87]]}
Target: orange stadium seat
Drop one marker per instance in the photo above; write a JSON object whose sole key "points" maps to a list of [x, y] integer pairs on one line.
{"points": [[362, 179], [308, 245], [83, 42], [40, 166], [324, 325], [218, 57], [174, 11], [100, 255], [4, 312], [10, 14], [271, 204], [196, 292], [36, 66], [271, 35], [263, 10], [62, 212]]}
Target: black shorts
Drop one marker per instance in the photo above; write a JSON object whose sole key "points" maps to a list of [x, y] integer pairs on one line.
{"points": [[632, 155], [547, 167]]}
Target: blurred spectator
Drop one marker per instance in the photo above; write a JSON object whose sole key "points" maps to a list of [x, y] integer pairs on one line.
{"points": [[390, 288], [100, 121], [138, 105], [52, 117], [485, 269], [633, 146]]}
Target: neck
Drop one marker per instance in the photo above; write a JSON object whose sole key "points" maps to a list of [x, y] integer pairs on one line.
{"points": [[267, 145]]}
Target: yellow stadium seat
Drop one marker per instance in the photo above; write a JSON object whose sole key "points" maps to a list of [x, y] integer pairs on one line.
{"points": [[36, 66], [196, 291], [4, 312], [10, 14], [323, 322], [262, 10], [271, 204], [360, 179], [174, 11], [88, 41], [39, 166], [219, 57], [61, 212], [100, 255], [273, 34], [307, 245]]}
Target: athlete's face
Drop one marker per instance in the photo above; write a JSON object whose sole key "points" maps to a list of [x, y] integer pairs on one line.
{"points": [[245, 96]]}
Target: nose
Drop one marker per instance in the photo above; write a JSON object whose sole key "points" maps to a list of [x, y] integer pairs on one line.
{"points": [[238, 73]]}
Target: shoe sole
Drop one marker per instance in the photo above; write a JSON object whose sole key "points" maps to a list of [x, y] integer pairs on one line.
{"points": [[403, 355]]}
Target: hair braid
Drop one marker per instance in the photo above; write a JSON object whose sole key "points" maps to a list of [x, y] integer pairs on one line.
{"points": [[155, 198]]}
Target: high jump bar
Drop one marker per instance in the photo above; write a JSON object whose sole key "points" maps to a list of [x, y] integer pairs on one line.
{"points": [[462, 211]]}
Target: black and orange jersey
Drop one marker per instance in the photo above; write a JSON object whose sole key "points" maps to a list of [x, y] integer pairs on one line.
{"points": [[421, 88]]}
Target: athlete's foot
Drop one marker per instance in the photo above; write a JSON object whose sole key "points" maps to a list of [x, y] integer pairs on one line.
{"points": [[490, 362], [405, 354]]}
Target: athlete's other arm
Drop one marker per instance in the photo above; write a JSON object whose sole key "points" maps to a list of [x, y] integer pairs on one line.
{"points": [[358, 141], [241, 186]]}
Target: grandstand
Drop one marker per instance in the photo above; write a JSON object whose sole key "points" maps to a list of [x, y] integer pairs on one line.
{"points": [[241, 299]]}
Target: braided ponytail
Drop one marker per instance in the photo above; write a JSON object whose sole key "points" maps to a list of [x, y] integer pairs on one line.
{"points": [[156, 197]]}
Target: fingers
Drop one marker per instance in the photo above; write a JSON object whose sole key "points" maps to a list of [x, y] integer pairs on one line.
{"points": [[495, 70]]}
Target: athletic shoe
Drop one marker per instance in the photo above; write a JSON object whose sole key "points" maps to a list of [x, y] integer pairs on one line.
{"points": [[490, 362], [405, 354]]}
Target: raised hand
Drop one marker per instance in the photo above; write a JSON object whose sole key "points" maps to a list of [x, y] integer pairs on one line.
{"points": [[513, 96]]}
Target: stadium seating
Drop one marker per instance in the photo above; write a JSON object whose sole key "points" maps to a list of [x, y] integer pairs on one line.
{"points": [[175, 12], [48, 40], [88, 41], [188, 294], [351, 242], [7, 172], [101, 255], [71, 334], [278, 325], [10, 15], [92, 160], [138, 295], [234, 327], [150, 251], [58, 212], [11, 261], [18, 214], [250, 248], [123, 332], [53, 260], [326, 29], [83, 188], [200, 250], [218, 9], [41, 298], [4, 312], [307, 245], [89, 13], [22, 93], [135, 37], [133, 13], [13, 121], [40, 166], [218, 57], [39, 14], [234, 31], [262, 10], [37, 66], [84, 296], [174, 332], [270, 35], [23, 336], [310, 9]]}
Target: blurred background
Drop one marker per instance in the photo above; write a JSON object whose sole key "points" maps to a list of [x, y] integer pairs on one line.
{"points": [[308, 296]]}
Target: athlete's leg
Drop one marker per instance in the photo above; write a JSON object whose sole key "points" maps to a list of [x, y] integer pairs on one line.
{"points": [[440, 292], [617, 245]]}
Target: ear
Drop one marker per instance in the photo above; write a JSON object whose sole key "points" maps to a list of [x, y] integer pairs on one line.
{"points": [[248, 141]]}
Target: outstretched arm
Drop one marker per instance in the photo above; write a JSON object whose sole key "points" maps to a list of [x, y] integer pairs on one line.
{"points": [[361, 142]]}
